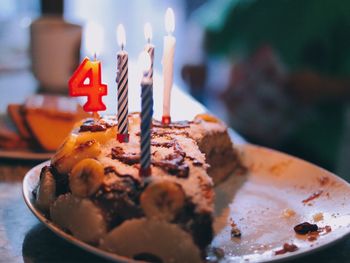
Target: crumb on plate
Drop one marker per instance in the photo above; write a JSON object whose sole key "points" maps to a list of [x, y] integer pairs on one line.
{"points": [[317, 217], [287, 213]]}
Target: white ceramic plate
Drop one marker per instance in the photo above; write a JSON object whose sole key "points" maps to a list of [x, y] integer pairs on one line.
{"points": [[255, 202], [25, 155]]}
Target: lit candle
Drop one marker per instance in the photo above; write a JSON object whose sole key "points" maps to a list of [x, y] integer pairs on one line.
{"points": [[146, 114], [86, 80], [122, 82], [149, 48], [168, 63]]}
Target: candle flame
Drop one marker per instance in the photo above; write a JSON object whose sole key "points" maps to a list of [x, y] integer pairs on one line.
{"points": [[94, 35], [144, 61], [169, 20], [121, 38], [148, 31]]}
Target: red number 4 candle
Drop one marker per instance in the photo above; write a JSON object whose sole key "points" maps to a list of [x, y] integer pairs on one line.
{"points": [[87, 81]]}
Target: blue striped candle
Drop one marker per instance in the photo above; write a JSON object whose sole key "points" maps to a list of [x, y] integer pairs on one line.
{"points": [[146, 117]]}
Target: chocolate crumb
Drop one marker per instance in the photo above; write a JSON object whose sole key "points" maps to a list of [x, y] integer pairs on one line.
{"points": [[312, 236], [286, 248], [305, 228], [323, 180], [235, 232], [313, 196]]}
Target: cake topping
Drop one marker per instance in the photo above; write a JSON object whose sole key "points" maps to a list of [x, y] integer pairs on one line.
{"points": [[162, 132], [162, 200], [86, 177], [173, 125], [174, 162], [163, 144], [127, 158], [93, 125]]}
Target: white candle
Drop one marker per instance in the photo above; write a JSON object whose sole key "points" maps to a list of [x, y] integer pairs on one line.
{"points": [[168, 63]]}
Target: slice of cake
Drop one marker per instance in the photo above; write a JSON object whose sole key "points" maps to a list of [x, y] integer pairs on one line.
{"points": [[45, 120], [16, 113], [93, 189]]}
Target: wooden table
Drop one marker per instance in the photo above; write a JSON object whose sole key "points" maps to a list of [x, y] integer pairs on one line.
{"points": [[23, 238]]}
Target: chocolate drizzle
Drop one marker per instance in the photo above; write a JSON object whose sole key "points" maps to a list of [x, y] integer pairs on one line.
{"points": [[127, 158], [163, 144], [174, 163], [173, 125], [93, 125], [156, 132]]}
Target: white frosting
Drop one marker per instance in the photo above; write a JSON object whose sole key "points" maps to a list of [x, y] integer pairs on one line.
{"points": [[197, 186]]}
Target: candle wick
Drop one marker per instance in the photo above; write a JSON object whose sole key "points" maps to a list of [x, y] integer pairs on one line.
{"points": [[122, 46], [95, 56], [149, 40]]}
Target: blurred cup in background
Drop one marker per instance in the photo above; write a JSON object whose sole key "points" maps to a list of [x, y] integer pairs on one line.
{"points": [[55, 52]]}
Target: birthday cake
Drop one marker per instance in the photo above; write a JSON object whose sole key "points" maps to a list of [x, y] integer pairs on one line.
{"points": [[93, 188]]}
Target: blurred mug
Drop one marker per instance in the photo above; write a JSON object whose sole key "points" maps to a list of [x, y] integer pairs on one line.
{"points": [[55, 52]]}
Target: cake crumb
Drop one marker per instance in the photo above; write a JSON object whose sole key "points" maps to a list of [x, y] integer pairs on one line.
{"points": [[317, 217], [235, 232], [323, 180], [312, 231], [313, 196], [287, 213], [305, 228], [286, 248]]}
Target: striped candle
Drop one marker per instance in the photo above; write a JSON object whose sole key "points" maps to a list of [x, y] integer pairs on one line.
{"points": [[146, 115], [122, 82], [149, 48]]}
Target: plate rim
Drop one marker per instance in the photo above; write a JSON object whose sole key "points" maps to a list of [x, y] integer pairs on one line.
{"points": [[56, 230], [27, 196]]}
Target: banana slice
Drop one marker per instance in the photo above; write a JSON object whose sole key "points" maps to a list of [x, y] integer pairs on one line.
{"points": [[66, 147], [146, 239], [162, 200], [86, 177], [88, 149], [207, 117], [46, 192], [80, 216]]}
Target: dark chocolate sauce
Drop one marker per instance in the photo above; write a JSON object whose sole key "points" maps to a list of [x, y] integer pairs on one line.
{"points": [[173, 125], [93, 125], [127, 158]]}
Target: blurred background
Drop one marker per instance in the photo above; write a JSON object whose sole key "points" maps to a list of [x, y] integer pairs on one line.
{"points": [[277, 71]]}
